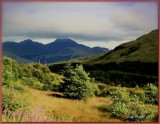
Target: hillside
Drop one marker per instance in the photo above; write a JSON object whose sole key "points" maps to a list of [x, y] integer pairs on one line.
{"points": [[129, 64], [144, 49], [59, 50], [17, 58]]}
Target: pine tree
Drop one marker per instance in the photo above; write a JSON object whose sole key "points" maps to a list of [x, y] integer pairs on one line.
{"points": [[76, 83]]}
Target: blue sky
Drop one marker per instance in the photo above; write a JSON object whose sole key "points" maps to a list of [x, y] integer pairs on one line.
{"points": [[105, 24]]}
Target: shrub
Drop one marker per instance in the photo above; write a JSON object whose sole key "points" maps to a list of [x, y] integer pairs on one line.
{"points": [[151, 93], [26, 71], [104, 92], [119, 109], [39, 75], [56, 87], [33, 82], [137, 95], [76, 83], [120, 95], [41, 67], [95, 89], [129, 106], [6, 77], [139, 112], [10, 70], [14, 100], [101, 86]]}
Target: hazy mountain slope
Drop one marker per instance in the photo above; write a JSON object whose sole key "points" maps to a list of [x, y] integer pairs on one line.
{"points": [[144, 49], [17, 58]]}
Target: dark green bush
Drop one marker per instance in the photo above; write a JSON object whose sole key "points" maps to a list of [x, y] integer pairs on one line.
{"points": [[76, 83], [151, 94], [101, 86], [105, 92], [56, 87], [6, 77]]}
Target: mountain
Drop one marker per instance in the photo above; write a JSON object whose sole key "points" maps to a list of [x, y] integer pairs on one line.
{"points": [[144, 49], [19, 59], [59, 50]]}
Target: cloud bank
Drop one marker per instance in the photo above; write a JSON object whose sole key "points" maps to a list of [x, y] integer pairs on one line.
{"points": [[104, 23]]}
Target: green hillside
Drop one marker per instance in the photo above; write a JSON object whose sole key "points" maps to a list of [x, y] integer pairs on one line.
{"points": [[144, 49], [129, 64]]}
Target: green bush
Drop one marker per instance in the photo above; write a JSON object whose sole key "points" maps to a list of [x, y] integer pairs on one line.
{"points": [[41, 67], [33, 82], [105, 92], [56, 87], [95, 89], [140, 112], [26, 71], [138, 95], [130, 106], [10, 70], [119, 109], [101, 86], [39, 75], [6, 77], [77, 83], [121, 94], [151, 94], [14, 100]]}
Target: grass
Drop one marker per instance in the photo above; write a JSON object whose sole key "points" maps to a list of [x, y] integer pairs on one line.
{"points": [[71, 110], [49, 106]]}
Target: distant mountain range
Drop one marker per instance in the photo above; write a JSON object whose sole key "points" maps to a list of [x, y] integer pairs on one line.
{"points": [[143, 49], [59, 50]]}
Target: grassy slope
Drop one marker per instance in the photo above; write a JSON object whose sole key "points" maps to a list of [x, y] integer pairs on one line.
{"points": [[144, 48]]}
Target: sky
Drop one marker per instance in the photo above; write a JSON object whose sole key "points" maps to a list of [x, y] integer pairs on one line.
{"points": [[104, 24]]}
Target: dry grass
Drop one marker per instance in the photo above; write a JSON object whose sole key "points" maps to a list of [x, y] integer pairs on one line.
{"points": [[70, 110]]}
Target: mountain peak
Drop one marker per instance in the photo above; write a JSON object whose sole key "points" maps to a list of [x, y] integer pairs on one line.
{"points": [[27, 41], [65, 41]]}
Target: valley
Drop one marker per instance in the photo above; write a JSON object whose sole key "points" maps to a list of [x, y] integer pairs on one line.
{"points": [[100, 86]]}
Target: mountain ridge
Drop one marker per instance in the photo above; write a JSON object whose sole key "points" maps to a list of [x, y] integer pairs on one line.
{"points": [[34, 51]]}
